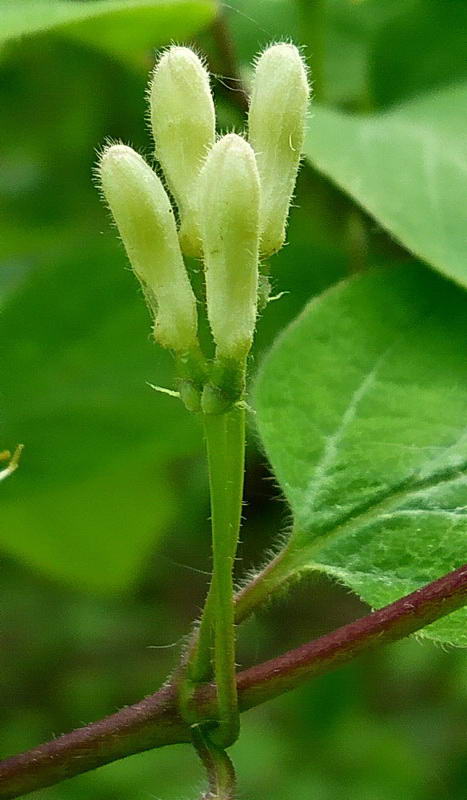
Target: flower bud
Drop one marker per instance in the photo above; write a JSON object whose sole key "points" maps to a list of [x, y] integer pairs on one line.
{"points": [[145, 220], [229, 220], [183, 124], [277, 116]]}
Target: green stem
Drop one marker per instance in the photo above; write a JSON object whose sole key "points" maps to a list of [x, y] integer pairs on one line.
{"points": [[219, 768], [264, 585], [200, 657], [225, 437], [197, 665]]}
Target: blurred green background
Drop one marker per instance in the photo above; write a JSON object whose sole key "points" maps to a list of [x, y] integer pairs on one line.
{"points": [[104, 533]]}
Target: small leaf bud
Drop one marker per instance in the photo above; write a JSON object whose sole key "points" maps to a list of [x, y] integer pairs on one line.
{"points": [[183, 124], [145, 220], [277, 115], [229, 222]]}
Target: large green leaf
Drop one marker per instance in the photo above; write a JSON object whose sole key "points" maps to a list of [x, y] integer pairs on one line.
{"points": [[362, 66], [407, 168], [119, 26], [361, 408], [97, 485], [421, 47]]}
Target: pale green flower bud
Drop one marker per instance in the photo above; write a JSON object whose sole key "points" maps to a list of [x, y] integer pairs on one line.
{"points": [[145, 220], [183, 124], [278, 109], [229, 220]]}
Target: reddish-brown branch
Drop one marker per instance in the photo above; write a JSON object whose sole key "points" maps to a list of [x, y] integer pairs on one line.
{"points": [[155, 721], [393, 622]]}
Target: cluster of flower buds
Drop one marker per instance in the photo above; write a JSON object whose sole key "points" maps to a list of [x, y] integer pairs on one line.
{"points": [[232, 197]]}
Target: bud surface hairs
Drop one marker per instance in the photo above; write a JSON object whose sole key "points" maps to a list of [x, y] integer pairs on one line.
{"points": [[229, 206], [145, 220], [183, 125], [276, 121]]}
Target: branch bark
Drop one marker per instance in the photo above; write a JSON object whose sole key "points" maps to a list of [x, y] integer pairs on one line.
{"points": [[155, 721]]}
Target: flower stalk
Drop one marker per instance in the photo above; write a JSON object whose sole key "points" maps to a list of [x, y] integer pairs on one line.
{"points": [[232, 199], [219, 768]]}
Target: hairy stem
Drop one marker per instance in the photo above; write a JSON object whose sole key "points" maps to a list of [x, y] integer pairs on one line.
{"points": [[225, 439], [264, 584], [218, 766], [197, 664], [156, 721], [200, 655]]}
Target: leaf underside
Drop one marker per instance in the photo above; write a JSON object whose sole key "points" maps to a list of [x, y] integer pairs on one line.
{"points": [[361, 409]]}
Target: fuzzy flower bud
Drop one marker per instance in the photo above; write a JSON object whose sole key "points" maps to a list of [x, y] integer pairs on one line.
{"points": [[145, 220], [229, 206], [183, 124], [277, 116]]}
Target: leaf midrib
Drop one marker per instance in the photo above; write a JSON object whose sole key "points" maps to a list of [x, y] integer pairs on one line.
{"points": [[321, 472], [372, 510]]}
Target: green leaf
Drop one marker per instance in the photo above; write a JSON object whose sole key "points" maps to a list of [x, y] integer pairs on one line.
{"points": [[97, 485], [361, 408], [422, 47], [361, 65], [407, 168], [118, 26]]}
